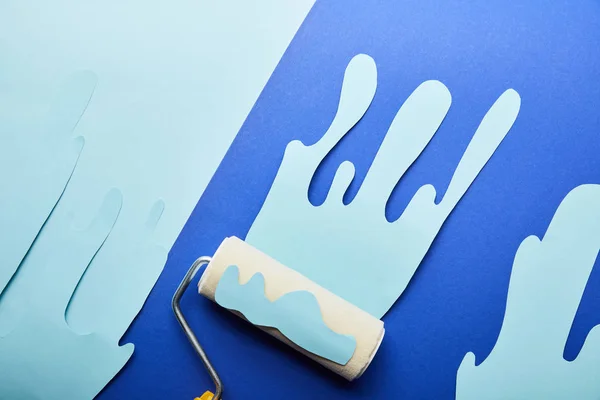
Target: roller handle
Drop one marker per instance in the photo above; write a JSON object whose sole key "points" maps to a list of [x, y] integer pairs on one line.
{"points": [[190, 334]]}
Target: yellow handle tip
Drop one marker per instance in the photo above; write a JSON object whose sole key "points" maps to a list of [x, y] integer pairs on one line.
{"points": [[206, 396]]}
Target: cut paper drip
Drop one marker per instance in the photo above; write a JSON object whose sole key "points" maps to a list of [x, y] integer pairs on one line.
{"points": [[153, 111], [297, 315], [40, 356], [54, 278], [35, 167], [547, 283], [129, 264], [358, 250], [46, 356], [155, 108]]}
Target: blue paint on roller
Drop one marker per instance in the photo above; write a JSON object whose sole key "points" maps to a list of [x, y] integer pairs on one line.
{"points": [[296, 315]]}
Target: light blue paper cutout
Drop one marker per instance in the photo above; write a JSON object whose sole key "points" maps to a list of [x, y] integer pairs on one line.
{"points": [[35, 167], [546, 285], [129, 269], [110, 296], [297, 315], [154, 110], [156, 107], [40, 356], [352, 250]]}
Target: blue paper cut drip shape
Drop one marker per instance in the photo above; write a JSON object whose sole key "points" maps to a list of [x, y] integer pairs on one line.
{"points": [[361, 256], [297, 315], [35, 167], [129, 264], [43, 357], [546, 285], [41, 351]]}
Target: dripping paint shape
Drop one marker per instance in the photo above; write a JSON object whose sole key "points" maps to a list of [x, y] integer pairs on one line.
{"points": [[35, 167], [547, 282], [347, 238]]}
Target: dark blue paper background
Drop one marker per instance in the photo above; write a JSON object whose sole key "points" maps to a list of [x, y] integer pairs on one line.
{"points": [[549, 51]]}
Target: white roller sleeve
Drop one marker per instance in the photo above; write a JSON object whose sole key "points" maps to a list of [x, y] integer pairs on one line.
{"points": [[339, 315]]}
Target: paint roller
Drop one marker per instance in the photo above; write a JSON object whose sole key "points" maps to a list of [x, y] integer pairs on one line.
{"points": [[288, 306]]}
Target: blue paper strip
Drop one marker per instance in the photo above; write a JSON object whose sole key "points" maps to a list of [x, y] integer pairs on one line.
{"points": [[547, 282]]}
